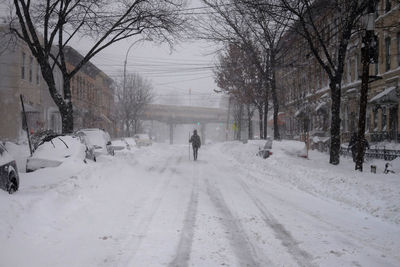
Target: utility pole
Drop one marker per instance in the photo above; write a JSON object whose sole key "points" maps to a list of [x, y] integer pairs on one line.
{"points": [[368, 55]]}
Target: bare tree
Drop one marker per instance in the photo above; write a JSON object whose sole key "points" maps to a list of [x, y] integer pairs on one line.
{"points": [[104, 21], [132, 101], [239, 77], [247, 24], [311, 20]]}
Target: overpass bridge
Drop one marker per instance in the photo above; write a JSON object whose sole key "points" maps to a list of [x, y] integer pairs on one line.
{"points": [[173, 115]]}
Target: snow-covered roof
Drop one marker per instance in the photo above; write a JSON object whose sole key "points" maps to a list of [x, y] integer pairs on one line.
{"points": [[352, 90]]}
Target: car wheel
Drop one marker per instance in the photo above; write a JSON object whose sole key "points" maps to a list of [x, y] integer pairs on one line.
{"points": [[12, 184]]}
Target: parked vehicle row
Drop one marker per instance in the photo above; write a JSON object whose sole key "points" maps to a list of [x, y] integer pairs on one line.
{"points": [[52, 149], [83, 144]]}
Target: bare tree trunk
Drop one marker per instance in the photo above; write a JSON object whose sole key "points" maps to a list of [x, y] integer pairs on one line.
{"points": [[335, 124], [266, 119], [249, 122], [363, 101], [275, 102], [260, 115], [240, 123]]}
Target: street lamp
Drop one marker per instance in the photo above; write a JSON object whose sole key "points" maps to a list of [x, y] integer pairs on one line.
{"points": [[126, 59]]}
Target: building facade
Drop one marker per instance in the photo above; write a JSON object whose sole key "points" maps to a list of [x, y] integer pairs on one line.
{"points": [[304, 85], [20, 75], [92, 93]]}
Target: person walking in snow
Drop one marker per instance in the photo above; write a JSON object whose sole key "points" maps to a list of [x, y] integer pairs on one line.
{"points": [[353, 145], [196, 143]]}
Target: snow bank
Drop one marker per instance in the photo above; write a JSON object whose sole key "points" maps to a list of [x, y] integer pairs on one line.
{"points": [[378, 194]]}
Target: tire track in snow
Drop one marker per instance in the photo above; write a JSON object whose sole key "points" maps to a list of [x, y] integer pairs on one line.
{"points": [[185, 243], [238, 239], [302, 257], [142, 226]]}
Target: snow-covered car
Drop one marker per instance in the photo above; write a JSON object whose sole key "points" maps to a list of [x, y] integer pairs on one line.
{"points": [[142, 140], [53, 152], [9, 179], [98, 140], [120, 144], [266, 152]]}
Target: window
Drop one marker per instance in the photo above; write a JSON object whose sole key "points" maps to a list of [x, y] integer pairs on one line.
{"points": [[387, 53], [30, 68], [23, 66], [377, 60], [384, 119], [388, 6], [37, 74], [398, 49], [348, 71], [356, 67], [375, 119]]}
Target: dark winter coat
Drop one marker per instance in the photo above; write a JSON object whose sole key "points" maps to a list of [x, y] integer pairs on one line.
{"points": [[353, 143], [195, 140]]}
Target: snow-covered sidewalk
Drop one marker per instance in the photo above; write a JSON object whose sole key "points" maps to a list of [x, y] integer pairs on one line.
{"points": [[154, 207], [378, 194]]}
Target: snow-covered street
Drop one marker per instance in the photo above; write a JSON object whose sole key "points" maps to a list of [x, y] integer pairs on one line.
{"points": [[151, 206]]}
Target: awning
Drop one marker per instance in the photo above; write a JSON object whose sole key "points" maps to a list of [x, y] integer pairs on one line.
{"points": [[351, 90], [321, 106], [387, 96], [300, 112]]}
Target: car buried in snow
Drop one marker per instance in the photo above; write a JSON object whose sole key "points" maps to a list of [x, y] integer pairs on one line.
{"points": [[142, 140], [9, 179], [265, 152], [98, 140], [53, 152]]}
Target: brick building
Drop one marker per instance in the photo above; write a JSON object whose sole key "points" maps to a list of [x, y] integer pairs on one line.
{"points": [[92, 95]]}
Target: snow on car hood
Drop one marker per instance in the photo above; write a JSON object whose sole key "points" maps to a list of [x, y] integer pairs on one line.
{"points": [[60, 149]]}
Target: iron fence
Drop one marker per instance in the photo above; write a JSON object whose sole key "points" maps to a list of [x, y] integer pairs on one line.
{"points": [[378, 153]]}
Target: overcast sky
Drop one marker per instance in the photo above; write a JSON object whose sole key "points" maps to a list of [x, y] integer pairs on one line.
{"points": [[188, 67]]}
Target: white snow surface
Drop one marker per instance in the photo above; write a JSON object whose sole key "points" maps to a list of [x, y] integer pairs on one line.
{"points": [[151, 206]]}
